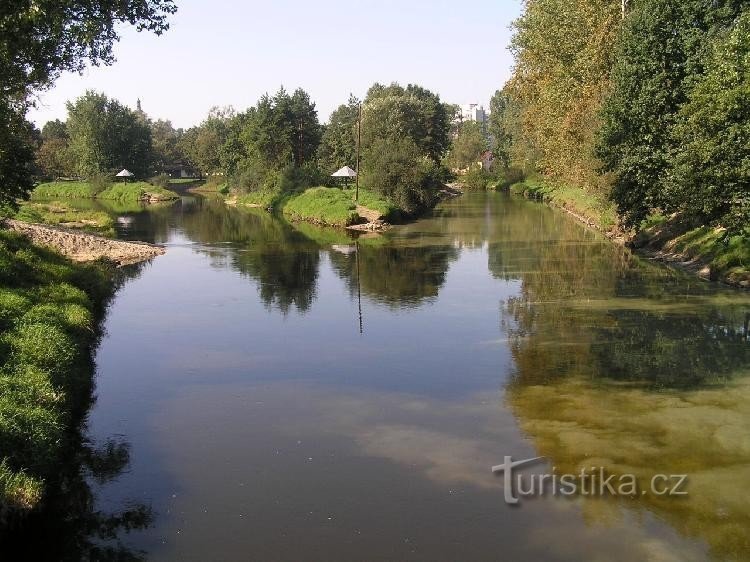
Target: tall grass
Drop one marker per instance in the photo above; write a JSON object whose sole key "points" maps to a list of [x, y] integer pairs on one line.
{"points": [[323, 205]]}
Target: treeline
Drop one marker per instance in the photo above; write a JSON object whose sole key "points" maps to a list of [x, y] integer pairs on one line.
{"points": [[278, 146], [648, 106]]}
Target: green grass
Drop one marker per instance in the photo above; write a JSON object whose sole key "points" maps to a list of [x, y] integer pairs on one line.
{"points": [[377, 203], [137, 191], [591, 206], [729, 258], [322, 205], [48, 326], [265, 199], [66, 189], [62, 214], [182, 181], [131, 192]]}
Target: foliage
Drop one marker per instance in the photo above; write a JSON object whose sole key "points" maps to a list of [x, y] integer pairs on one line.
{"points": [[414, 113], [324, 205], [395, 168], [57, 189], [202, 145], [660, 56], [563, 54], [162, 180], [711, 179], [468, 146], [106, 136], [338, 141], [16, 153]]}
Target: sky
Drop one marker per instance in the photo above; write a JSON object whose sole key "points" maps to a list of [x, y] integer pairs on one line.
{"points": [[230, 52]]}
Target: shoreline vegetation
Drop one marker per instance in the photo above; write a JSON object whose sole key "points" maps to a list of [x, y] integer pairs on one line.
{"points": [[140, 191], [703, 250], [50, 316]]}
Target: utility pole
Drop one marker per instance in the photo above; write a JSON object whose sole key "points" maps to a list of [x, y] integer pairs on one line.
{"points": [[359, 140]]}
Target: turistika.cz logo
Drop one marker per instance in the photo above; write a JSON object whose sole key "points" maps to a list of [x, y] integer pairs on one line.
{"points": [[590, 481]]}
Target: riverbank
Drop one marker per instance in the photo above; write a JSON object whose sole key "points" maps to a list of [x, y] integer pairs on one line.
{"points": [[50, 309], [85, 247], [703, 251], [131, 192]]}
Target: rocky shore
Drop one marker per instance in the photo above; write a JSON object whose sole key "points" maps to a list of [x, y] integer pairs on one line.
{"points": [[83, 247]]}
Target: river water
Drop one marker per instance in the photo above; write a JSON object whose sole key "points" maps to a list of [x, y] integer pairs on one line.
{"points": [[282, 392]]}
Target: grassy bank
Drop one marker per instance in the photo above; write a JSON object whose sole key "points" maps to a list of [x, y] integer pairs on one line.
{"points": [[709, 250], [131, 192], [704, 250], [49, 310], [591, 208], [321, 205], [59, 213]]}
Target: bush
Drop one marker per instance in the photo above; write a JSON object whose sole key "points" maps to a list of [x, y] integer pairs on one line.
{"points": [[396, 170], [99, 183], [162, 180]]}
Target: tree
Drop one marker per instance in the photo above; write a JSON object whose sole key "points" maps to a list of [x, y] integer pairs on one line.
{"points": [[712, 164], [563, 57], [396, 168], [414, 112], [661, 55], [501, 126], [203, 145], [106, 136], [41, 39], [16, 155], [338, 143], [468, 146], [165, 143]]}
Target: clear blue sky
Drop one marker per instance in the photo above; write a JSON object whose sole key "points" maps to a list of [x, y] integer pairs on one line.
{"points": [[230, 52]]}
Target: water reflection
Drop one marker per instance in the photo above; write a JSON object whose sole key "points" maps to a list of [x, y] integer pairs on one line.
{"points": [[268, 425], [638, 369]]}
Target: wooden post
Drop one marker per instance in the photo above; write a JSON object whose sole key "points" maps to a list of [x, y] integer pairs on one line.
{"points": [[359, 140]]}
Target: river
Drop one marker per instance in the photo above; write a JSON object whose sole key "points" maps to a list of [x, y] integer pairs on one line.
{"points": [[280, 392]]}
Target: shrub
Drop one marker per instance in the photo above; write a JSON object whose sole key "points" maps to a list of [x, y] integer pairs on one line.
{"points": [[162, 180], [99, 183]]}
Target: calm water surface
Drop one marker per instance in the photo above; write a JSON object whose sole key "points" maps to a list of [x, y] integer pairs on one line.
{"points": [[287, 394]]}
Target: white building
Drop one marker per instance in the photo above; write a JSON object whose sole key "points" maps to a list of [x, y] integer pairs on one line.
{"points": [[473, 112]]}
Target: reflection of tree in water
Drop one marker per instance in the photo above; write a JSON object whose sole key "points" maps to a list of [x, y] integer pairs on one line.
{"points": [[396, 276], [70, 526], [588, 307], [590, 317], [265, 248]]}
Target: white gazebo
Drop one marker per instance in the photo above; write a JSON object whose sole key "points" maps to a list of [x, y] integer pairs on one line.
{"points": [[125, 174], [346, 172]]}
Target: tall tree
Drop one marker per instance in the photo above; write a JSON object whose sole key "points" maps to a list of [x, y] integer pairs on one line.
{"points": [[468, 145], [662, 53], [338, 142], [106, 136]]}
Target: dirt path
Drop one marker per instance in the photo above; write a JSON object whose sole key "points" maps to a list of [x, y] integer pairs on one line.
{"points": [[82, 247]]}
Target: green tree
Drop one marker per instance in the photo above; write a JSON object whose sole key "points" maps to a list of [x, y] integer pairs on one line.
{"points": [[661, 54], [16, 155], [41, 39], [106, 136], [165, 143], [396, 168], [338, 143], [468, 146], [203, 145], [712, 164]]}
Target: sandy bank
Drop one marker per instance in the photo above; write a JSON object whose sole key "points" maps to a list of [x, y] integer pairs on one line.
{"points": [[82, 247]]}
